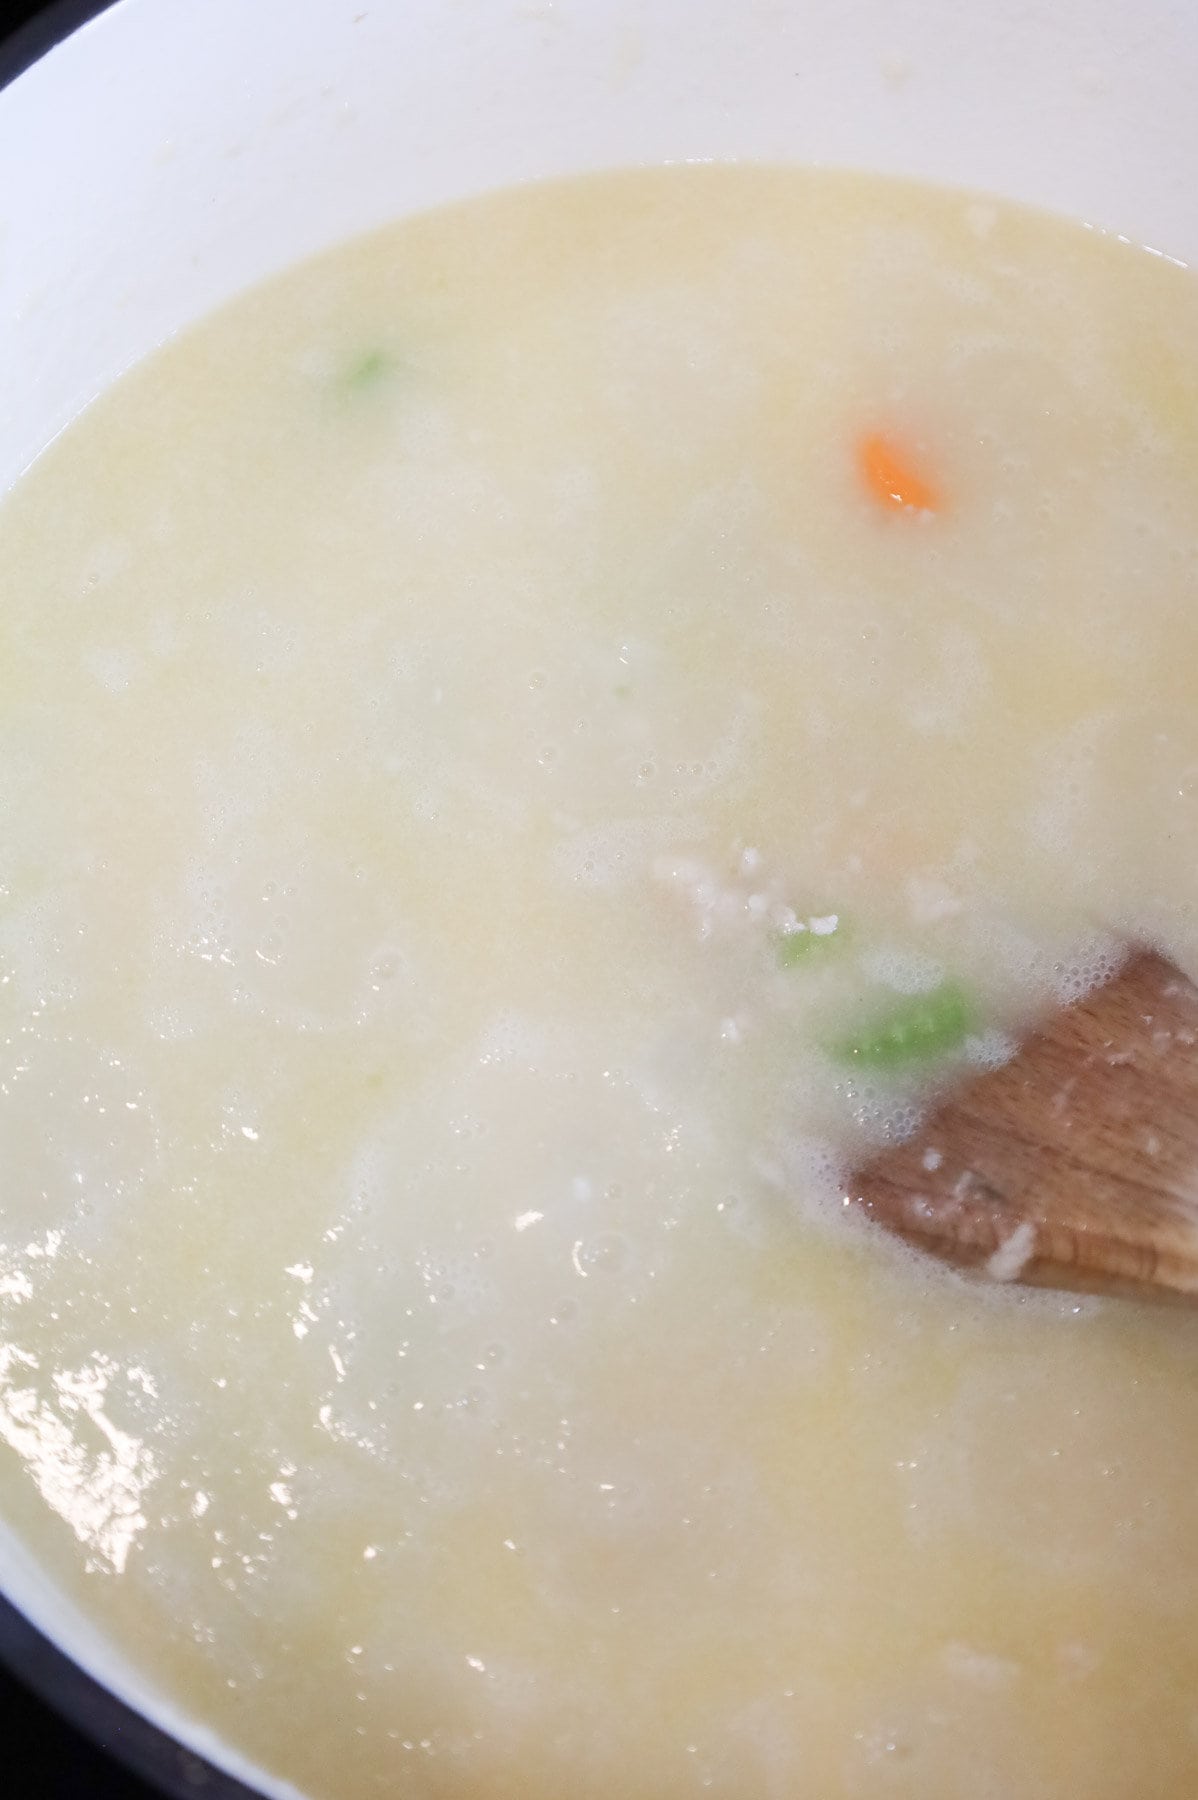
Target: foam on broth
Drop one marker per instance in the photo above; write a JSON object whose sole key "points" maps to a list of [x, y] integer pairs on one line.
{"points": [[439, 695]]}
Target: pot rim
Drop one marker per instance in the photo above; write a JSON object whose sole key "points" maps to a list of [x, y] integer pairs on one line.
{"points": [[34, 1659]]}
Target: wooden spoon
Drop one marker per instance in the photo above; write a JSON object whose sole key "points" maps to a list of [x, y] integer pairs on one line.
{"points": [[1075, 1165]]}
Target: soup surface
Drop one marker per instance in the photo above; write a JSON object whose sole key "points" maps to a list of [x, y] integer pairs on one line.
{"points": [[525, 745]]}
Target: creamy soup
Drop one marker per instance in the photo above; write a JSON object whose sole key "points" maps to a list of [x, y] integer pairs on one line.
{"points": [[527, 745]]}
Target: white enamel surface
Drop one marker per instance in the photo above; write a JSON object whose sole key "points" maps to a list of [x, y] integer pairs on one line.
{"points": [[172, 152]]}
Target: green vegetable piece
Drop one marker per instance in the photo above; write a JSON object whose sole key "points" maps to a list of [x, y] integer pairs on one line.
{"points": [[809, 938], [913, 1030], [368, 371]]}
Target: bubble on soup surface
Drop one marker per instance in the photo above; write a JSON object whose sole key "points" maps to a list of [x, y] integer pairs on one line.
{"points": [[903, 970], [1087, 965], [988, 1050], [900, 1120], [607, 1254], [456, 1280], [515, 1038]]}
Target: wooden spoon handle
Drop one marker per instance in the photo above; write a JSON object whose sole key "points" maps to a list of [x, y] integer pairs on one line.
{"points": [[1076, 1164]]}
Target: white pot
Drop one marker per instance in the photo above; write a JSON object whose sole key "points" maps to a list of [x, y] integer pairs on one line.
{"points": [[173, 151]]}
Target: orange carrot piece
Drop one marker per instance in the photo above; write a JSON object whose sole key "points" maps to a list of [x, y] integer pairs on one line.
{"points": [[891, 477]]}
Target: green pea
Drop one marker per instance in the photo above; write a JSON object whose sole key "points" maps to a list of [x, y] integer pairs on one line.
{"points": [[368, 370], [810, 938], [915, 1029]]}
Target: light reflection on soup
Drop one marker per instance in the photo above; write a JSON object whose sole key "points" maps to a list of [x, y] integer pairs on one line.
{"points": [[525, 744]]}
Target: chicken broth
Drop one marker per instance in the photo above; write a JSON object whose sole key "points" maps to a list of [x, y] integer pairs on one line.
{"points": [[529, 744]]}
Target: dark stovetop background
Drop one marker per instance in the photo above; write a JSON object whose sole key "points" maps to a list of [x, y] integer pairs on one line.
{"points": [[43, 1758], [48, 1760]]}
